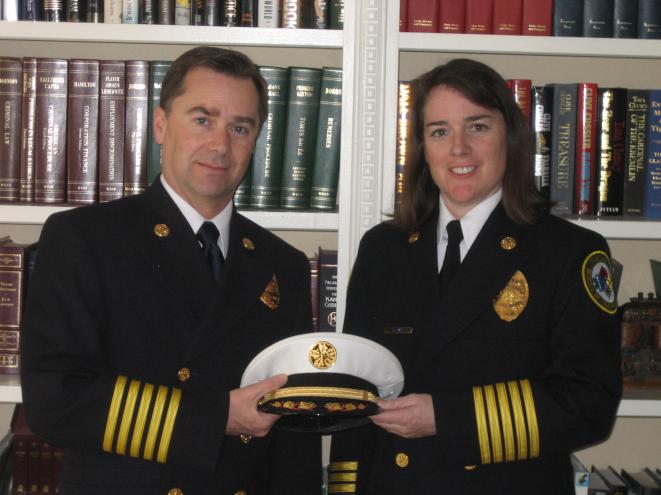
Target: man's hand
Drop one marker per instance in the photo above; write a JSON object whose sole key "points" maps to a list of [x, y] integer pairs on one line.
{"points": [[411, 416], [243, 417]]}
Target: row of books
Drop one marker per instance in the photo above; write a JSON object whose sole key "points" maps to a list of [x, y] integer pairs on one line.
{"points": [[611, 481], [597, 150], [80, 131], [310, 14], [587, 18]]}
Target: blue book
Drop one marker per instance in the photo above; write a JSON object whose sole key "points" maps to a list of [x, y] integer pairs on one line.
{"points": [[653, 196]]}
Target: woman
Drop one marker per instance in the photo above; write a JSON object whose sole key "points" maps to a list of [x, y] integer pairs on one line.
{"points": [[511, 353]]}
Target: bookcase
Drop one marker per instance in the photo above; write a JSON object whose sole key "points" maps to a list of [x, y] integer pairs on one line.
{"points": [[374, 56]]}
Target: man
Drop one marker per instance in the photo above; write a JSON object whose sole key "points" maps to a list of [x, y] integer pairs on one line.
{"points": [[137, 331]]}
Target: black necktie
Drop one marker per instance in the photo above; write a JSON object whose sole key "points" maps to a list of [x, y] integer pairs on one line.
{"points": [[452, 258], [208, 236]]}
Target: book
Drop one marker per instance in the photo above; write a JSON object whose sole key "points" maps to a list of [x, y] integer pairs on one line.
{"points": [[54, 11], [615, 484], [609, 178], [327, 290], [314, 291], [9, 9], [452, 16], [29, 100], [635, 153], [479, 16], [19, 456], [563, 148], [537, 18], [625, 19], [211, 12], [94, 12], [182, 12], [597, 485], [541, 120], [586, 152], [82, 131], [653, 165], [157, 71], [269, 148], [568, 18], [166, 12], [294, 14], [300, 136], [404, 137], [112, 11], [50, 131], [521, 90], [326, 170], [649, 19], [640, 483], [598, 18], [112, 103], [403, 12], [72, 13], [268, 14], [242, 193], [135, 127], [248, 13], [197, 12], [6, 445], [507, 16], [422, 16], [230, 13], [336, 14], [11, 100], [320, 14], [130, 11], [30, 10]]}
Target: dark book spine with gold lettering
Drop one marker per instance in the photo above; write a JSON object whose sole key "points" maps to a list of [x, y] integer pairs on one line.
{"points": [[323, 192], [11, 96], [300, 136], [50, 166], [635, 152], [404, 136], [653, 193], [26, 179], [248, 13], [157, 71], [82, 131], [563, 148], [230, 16], [267, 158], [598, 18], [135, 127], [112, 100], [649, 19], [609, 175], [586, 149], [625, 19], [568, 18]]}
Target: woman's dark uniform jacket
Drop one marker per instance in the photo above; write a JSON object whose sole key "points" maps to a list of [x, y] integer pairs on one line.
{"points": [[130, 351], [511, 398]]}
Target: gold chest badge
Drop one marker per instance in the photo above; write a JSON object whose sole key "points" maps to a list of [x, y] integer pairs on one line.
{"points": [[271, 295], [513, 299]]}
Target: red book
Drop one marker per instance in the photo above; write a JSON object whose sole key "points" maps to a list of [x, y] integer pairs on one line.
{"points": [[586, 149], [422, 16], [507, 16], [403, 11], [479, 16], [522, 92], [537, 17], [452, 16]]}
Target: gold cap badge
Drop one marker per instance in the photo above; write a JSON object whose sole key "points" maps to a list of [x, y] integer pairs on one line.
{"points": [[161, 230], [248, 244], [413, 238], [322, 355], [508, 243], [271, 295], [513, 299]]}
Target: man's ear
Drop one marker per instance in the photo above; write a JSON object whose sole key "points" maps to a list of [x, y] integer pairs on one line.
{"points": [[160, 124]]}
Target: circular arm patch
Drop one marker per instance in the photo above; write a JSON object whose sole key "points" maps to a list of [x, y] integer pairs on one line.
{"points": [[598, 282]]}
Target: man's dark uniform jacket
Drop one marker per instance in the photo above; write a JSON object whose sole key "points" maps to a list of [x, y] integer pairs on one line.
{"points": [[130, 350], [521, 358]]}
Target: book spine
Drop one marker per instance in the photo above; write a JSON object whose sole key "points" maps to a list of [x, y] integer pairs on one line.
{"points": [[568, 18], [72, 11], [323, 192], [268, 14], [653, 196], [507, 16], [112, 11], [11, 96], [586, 141], [320, 14], [157, 71], [31, 10], [300, 136], [248, 13], [12, 291], [452, 16], [625, 19], [291, 14], [537, 17], [635, 153], [53, 11], [182, 12], [148, 12], [112, 102], [610, 146], [563, 148], [541, 118], [422, 16], [211, 13], [9, 10], [649, 19], [230, 16], [598, 18], [135, 127], [337, 14], [479, 16], [314, 291], [94, 12], [242, 193], [50, 131], [404, 137], [29, 99], [166, 12], [82, 131], [327, 290], [19, 469], [130, 10], [403, 13], [267, 162], [522, 91]]}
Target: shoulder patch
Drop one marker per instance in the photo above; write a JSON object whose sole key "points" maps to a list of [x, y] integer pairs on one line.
{"points": [[598, 282]]}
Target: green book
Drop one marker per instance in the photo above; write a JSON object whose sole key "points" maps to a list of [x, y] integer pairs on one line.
{"points": [[300, 136], [323, 192], [157, 71], [242, 193], [337, 14], [267, 159]]}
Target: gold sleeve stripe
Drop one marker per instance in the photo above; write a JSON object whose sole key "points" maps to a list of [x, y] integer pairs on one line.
{"points": [[519, 421], [343, 466], [341, 488], [127, 416], [494, 424], [170, 418], [481, 420], [343, 477], [531, 414], [155, 422], [141, 419], [113, 413], [506, 421]]}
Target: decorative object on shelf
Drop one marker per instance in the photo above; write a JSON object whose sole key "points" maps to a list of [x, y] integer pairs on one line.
{"points": [[641, 341]]}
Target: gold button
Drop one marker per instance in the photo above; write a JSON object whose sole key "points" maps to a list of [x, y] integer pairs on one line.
{"points": [[248, 244], [161, 230], [241, 492], [183, 374], [508, 243], [413, 238], [175, 491], [402, 460], [470, 468]]}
